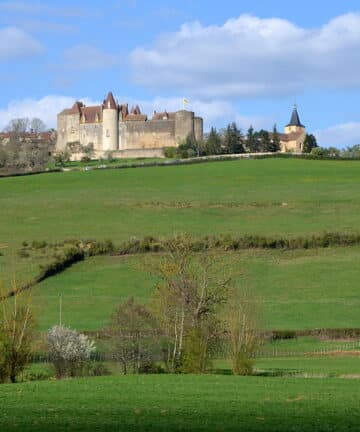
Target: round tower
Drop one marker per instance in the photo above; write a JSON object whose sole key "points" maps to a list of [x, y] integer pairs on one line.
{"points": [[184, 125], [110, 124], [199, 128]]}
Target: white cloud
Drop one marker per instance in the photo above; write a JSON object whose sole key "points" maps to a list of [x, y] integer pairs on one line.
{"points": [[17, 44], [249, 56], [88, 57], [45, 108], [215, 113], [341, 135]]}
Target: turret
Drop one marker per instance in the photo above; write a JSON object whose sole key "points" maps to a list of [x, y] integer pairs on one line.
{"points": [[110, 124], [184, 125]]}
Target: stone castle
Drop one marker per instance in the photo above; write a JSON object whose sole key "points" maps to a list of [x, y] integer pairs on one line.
{"points": [[111, 127]]}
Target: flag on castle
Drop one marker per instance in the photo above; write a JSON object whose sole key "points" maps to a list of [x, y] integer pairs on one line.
{"points": [[185, 102]]}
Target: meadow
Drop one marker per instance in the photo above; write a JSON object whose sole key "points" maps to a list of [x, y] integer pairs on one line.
{"points": [[178, 403], [325, 295], [295, 290]]}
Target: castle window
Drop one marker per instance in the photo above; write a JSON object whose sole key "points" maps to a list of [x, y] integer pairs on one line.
{"points": [[107, 132]]}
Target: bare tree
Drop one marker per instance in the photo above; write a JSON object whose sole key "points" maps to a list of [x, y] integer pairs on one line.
{"points": [[187, 301], [17, 334], [243, 329], [36, 125], [18, 126], [133, 336]]}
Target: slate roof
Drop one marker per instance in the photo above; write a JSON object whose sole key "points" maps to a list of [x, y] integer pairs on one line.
{"points": [[295, 118]]}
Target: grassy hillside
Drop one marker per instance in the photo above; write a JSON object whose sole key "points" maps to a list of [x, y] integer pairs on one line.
{"points": [[295, 289], [178, 403], [250, 196]]}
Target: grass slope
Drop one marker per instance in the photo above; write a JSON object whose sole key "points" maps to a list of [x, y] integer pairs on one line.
{"points": [[178, 403], [251, 196], [296, 289]]}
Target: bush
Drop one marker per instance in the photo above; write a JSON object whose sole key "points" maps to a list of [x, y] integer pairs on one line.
{"points": [[69, 258], [170, 152], [69, 351], [283, 334], [92, 369], [23, 253], [35, 244]]}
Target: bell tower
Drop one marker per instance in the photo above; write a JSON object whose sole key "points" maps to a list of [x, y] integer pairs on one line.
{"points": [[295, 123]]}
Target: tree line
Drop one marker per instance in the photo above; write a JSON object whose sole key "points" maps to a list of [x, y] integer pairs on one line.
{"points": [[232, 140], [194, 315], [23, 146]]}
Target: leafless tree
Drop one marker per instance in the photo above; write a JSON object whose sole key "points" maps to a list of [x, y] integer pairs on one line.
{"points": [[17, 334], [242, 318], [187, 301], [37, 125], [133, 336]]}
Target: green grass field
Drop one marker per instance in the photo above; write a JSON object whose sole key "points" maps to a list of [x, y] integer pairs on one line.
{"points": [[179, 403], [251, 196], [295, 290]]}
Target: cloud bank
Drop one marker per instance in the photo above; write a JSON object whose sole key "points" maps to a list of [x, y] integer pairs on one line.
{"points": [[251, 57]]}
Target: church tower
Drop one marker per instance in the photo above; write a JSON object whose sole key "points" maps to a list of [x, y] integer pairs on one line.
{"points": [[295, 123], [294, 134], [110, 133]]}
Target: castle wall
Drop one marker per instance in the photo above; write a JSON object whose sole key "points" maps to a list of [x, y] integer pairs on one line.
{"points": [[68, 130], [91, 133], [149, 135]]}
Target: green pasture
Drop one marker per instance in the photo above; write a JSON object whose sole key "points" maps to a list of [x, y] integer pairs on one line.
{"points": [[271, 196], [177, 403], [295, 290]]}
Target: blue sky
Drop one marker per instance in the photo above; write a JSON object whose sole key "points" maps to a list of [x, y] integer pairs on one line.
{"points": [[241, 60]]}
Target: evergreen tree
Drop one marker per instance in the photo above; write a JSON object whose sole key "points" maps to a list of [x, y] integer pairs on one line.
{"points": [[213, 143], [251, 141], [264, 141], [233, 140], [309, 143], [275, 142]]}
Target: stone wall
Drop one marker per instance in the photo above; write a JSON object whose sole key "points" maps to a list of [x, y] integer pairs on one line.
{"points": [[68, 130], [91, 133], [152, 134]]}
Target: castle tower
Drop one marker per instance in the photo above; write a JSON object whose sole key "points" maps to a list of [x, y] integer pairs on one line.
{"points": [[184, 125], [110, 137]]}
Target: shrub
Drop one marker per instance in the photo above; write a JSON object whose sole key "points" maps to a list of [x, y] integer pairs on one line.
{"points": [[36, 244], [69, 351], [70, 257], [23, 253], [283, 334], [170, 152], [93, 369]]}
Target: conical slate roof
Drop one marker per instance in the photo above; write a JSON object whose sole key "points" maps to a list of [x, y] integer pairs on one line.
{"points": [[110, 101], [295, 119]]}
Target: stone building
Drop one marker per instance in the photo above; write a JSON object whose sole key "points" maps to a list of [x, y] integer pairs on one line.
{"points": [[111, 127], [292, 140]]}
